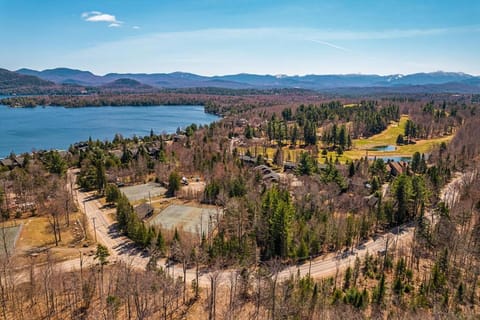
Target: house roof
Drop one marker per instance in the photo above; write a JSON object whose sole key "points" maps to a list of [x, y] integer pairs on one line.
{"points": [[265, 169], [179, 137], [143, 210], [6, 162], [395, 166], [246, 158], [273, 176], [20, 160], [289, 165], [371, 200]]}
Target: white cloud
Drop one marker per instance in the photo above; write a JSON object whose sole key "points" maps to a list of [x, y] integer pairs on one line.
{"points": [[97, 16], [101, 18], [87, 14], [136, 27]]}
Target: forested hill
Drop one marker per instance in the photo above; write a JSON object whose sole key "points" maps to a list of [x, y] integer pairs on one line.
{"points": [[17, 82]]}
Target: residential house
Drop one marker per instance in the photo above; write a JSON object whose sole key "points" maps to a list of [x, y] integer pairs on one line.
{"points": [[397, 168], [143, 211], [247, 159], [7, 162]]}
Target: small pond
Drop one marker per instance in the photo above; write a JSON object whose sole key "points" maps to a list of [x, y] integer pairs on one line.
{"points": [[383, 148]]}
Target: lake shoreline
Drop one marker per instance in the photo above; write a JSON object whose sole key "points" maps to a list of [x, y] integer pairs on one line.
{"points": [[101, 106], [29, 129]]}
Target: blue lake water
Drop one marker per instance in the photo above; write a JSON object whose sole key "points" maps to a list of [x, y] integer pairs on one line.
{"points": [[27, 129], [383, 148]]}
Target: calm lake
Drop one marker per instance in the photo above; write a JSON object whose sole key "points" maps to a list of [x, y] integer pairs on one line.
{"points": [[27, 129]]}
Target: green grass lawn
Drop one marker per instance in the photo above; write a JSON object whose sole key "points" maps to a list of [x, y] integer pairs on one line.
{"points": [[289, 155], [389, 137], [342, 159], [386, 137], [361, 146], [292, 155]]}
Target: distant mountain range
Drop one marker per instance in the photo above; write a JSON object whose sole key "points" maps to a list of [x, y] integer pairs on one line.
{"points": [[418, 82], [14, 81]]}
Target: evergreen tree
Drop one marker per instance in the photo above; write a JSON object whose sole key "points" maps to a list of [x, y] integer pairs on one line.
{"points": [[278, 212], [160, 244], [55, 163], [112, 193], [173, 183], [294, 135], [416, 162], [306, 165], [351, 169], [402, 191], [343, 137], [380, 290], [101, 177], [102, 255], [126, 155], [278, 157], [248, 132], [400, 139]]}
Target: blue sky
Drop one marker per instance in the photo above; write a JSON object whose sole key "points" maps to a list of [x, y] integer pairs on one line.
{"points": [[225, 37]]}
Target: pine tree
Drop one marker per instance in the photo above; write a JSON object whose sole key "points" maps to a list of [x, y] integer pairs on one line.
{"points": [[351, 169], [380, 290], [307, 165], [342, 137], [160, 244]]}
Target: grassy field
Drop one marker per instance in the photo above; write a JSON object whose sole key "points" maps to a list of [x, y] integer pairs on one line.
{"points": [[386, 137], [289, 155], [333, 155], [361, 147], [37, 232], [292, 155], [389, 137]]}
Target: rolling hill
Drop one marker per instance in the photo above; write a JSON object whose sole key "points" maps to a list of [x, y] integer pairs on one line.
{"points": [[12, 82]]}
